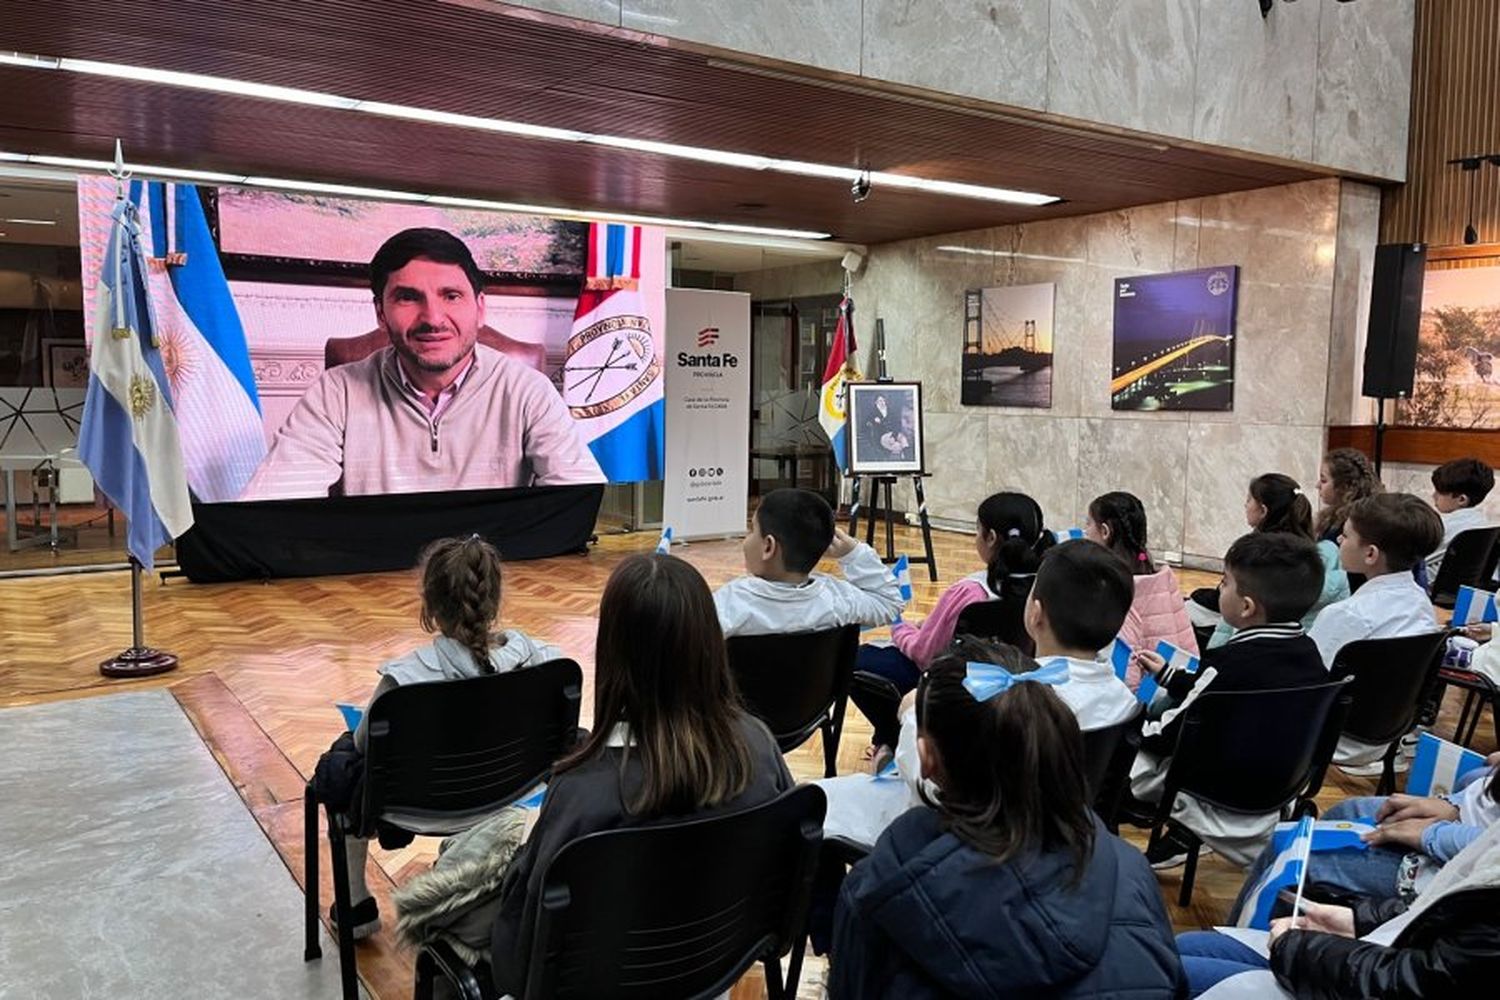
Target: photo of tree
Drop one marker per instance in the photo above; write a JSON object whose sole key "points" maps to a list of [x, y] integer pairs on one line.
{"points": [[1457, 383]]}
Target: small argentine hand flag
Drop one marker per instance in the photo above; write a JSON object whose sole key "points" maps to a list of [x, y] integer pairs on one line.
{"points": [[902, 572], [1119, 658], [1067, 534], [664, 547], [1177, 659], [1438, 766], [1293, 843], [534, 800], [1474, 606]]}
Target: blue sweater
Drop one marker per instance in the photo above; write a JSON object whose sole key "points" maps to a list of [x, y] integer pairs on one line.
{"points": [[927, 916]]}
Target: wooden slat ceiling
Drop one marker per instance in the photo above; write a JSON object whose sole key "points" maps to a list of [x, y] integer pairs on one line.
{"points": [[483, 59]]}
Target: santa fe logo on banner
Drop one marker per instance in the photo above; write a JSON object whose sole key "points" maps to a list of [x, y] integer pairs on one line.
{"points": [[708, 412]]}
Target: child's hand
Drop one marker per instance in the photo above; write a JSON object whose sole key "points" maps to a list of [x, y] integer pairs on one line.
{"points": [[1149, 660], [843, 543], [1479, 633], [1401, 833], [1399, 807], [1321, 917]]}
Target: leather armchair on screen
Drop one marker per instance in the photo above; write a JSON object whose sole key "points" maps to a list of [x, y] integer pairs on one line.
{"points": [[342, 350]]}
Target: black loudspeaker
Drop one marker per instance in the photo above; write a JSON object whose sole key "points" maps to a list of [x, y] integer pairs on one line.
{"points": [[1395, 316]]}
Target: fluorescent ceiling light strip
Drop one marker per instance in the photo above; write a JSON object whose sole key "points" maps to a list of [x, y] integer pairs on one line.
{"points": [[381, 194], [745, 161], [32, 222]]}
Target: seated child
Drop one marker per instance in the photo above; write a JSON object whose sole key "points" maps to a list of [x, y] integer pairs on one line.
{"points": [[791, 530], [1270, 580], [461, 603], [1275, 502], [1384, 536], [1003, 883], [1009, 536], [1344, 477], [1458, 488], [1117, 521], [669, 740]]}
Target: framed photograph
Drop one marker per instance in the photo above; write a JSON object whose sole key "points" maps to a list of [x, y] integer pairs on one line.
{"points": [[1174, 340], [1456, 382], [885, 427], [1007, 358], [65, 363]]}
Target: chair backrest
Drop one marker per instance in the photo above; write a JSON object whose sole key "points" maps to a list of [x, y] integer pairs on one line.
{"points": [[1107, 756], [676, 910], [1469, 562], [1389, 676], [1002, 619], [792, 682], [449, 753], [1253, 751]]}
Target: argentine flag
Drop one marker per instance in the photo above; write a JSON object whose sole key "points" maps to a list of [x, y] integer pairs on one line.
{"points": [[1474, 606], [128, 438], [213, 387], [1438, 766], [1067, 535], [901, 570], [664, 545], [1294, 843], [1177, 659], [612, 376]]}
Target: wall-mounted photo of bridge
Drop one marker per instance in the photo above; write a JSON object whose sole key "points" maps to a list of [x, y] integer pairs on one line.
{"points": [[1174, 341], [1007, 359]]}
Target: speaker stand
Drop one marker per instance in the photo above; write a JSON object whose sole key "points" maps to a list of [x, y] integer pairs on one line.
{"points": [[1379, 432]]}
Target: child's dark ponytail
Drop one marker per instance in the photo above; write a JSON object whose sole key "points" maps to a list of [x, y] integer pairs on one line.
{"points": [[461, 593], [1020, 536], [1126, 519], [1287, 509]]}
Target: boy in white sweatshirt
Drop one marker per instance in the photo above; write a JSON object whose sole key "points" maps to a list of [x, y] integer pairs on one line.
{"points": [[793, 529]]}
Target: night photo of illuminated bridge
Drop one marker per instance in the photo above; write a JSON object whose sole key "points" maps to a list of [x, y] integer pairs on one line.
{"points": [[1174, 341]]}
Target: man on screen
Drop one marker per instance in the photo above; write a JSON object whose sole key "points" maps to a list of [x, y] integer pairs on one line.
{"points": [[436, 410]]}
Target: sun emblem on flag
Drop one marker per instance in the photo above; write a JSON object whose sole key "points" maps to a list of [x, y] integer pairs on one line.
{"points": [[142, 395]]}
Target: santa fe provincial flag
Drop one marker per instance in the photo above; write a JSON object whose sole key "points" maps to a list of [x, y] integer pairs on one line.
{"points": [[612, 376], [128, 437], [840, 370]]}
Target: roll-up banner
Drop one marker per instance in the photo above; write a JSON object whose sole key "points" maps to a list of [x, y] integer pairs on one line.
{"points": [[708, 412]]}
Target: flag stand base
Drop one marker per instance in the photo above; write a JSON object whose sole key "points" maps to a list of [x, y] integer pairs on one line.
{"points": [[139, 662]]}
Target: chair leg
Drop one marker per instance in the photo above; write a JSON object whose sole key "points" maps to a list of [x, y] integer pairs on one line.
{"points": [[422, 989], [342, 907], [1387, 783], [830, 750], [774, 988], [1463, 719], [1189, 873], [794, 964], [311, 949]]}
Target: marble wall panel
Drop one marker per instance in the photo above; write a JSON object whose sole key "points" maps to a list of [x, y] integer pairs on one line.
{"points": [[1222, 459], [1127, 62], [1256, 78], [1363, 106], [1037, 455], [1354, 270], [1143, 455], [977, 48], [822, 33]]}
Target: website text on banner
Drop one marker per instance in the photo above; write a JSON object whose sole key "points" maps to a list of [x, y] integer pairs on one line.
{"points": [[708, 412], [324, 346]]}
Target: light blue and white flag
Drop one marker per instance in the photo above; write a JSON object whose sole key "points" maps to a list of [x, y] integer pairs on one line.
{"points": [[1067, 534], [1177, 659], [1119, 658], [1293, 844], [1439, 765], [534, 800], [664, 545], [128, 438], [1474, 606], [901, 570], [213, 387]]}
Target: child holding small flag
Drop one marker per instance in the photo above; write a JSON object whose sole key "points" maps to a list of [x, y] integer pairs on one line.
{"points": [[1270, 580], [1010, 536]]}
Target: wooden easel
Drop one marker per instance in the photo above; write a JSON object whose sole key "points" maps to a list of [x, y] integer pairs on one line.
{"points": [[885, 485]]}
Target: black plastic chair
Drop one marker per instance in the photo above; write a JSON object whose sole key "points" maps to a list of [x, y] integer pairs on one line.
{"points": [[1479, 691], [1250, 752], [439, 758], [1002, 619], [679, 910], [797, 684], [1391, 677], [1107, 756], [1469, 562]]}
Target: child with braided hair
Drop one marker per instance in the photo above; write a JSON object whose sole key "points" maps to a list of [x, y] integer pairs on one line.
{"points": [[461, 603], [1118, 522]]}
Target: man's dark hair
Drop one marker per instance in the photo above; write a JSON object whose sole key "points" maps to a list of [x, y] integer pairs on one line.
{"points": [[1403, 527], [1086, 591], [436, 245], [802, 524], [1467, 477], [1281, 572]]}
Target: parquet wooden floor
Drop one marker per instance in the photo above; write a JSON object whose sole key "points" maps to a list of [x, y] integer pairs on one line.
{"points": [[280, 653]]}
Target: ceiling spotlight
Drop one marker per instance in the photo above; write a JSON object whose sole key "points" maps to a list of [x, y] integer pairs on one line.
{"points": [[861, 188]]}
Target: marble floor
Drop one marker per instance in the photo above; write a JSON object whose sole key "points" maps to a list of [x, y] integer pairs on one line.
{"points": [[133, 868]]}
